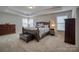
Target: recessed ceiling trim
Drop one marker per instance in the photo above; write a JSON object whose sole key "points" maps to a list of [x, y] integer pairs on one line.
{"points": [[41, 12]]}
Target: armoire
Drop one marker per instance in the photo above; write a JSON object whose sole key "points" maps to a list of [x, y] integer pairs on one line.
{"points": [[70, 30]]}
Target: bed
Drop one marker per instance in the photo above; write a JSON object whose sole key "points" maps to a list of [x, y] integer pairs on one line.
{"points": [[40, 31], [43, 28]]}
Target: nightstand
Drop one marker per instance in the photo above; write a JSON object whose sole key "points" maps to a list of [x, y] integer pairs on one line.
{"points": [[52, 31]]}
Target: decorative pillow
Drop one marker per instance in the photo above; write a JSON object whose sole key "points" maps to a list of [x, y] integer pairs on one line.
{"points": [[31, 28]]}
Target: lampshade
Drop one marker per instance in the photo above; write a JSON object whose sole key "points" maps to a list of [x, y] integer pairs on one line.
{"points": [[53, 25]]}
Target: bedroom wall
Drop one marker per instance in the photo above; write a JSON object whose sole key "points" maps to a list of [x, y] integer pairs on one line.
{"points": [[15, 19], [12, 19], [77, 28], [52, 17]]}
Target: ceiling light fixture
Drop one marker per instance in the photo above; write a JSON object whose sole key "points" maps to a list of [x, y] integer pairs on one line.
{"points": [[30, 7]]}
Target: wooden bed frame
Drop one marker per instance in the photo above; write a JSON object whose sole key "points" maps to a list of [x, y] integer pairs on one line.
{"points": [[44, 23], [36, 32]]}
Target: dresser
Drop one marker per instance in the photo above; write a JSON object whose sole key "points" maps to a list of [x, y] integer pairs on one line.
{"points": [[7, 29], [70, 30]]}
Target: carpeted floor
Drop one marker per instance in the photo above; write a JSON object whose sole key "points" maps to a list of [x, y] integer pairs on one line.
{"points": [[12, 43]]}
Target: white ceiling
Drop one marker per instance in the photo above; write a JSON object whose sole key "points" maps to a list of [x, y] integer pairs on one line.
{"points": [[37, 10], [26, 10]]}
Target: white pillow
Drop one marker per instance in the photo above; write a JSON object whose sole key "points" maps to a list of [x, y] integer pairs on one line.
{"points": [[31, 28], [46, 26]]}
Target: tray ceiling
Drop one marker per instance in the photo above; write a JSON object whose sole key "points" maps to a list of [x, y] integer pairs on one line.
{"points": [[32, 10]]}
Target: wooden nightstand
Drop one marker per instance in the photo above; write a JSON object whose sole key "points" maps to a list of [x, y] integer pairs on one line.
{"points": [[52, 31]]}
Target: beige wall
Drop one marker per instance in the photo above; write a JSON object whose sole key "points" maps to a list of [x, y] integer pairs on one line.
{"points": [[12, 19], [52, 24], [48, 17], [77, 28]]}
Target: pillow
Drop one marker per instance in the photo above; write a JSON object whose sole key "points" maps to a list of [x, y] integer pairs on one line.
{"points": [[31, 28], [46, 26]]}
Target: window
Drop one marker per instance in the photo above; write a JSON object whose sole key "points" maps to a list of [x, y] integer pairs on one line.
{"points": [[27, 22], [61, 23], [30, 22]]}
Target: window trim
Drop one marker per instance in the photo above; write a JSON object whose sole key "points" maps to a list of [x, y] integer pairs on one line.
{"points": [[60, 23], [28, 22]]}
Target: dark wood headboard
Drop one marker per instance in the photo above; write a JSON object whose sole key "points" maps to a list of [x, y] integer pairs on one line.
{"points": [[44, 23]]}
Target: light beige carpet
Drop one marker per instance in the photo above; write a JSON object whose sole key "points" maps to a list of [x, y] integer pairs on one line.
{"points": [[12, 43]]}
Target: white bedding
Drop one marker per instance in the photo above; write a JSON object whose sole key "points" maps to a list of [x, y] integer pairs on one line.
{"points": [[42, 31], [31, 28]]}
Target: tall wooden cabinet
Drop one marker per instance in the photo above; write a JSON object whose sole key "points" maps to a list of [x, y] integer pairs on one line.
{"points": [[70, 30]]}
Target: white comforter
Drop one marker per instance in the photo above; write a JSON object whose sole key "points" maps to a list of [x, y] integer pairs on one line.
{"points": [[43, 31]]}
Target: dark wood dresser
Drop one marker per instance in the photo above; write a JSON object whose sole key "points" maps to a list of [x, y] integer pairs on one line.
{"points": [[70, 30], [7, 29]]}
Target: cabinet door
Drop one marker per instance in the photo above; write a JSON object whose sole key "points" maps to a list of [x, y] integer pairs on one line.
{"points": [[67, 31], [1, 30], [12, 29], [70, 31]]}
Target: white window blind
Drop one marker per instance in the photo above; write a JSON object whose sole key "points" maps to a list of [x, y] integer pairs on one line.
{"points": [[30, 22], [61, 23], [27, 22]]}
